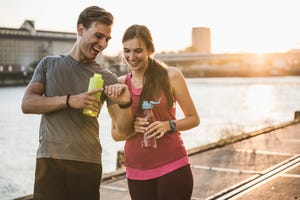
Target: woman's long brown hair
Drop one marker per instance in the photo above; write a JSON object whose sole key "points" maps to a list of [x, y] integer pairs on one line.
{"points": [[156, 79]]}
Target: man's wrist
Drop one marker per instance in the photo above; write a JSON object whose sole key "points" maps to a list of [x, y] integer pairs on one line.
{"points": [[127, 105], [67, 101]]}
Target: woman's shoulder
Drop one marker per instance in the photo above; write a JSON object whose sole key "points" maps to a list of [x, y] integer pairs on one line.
{"points": [[174, 72]]}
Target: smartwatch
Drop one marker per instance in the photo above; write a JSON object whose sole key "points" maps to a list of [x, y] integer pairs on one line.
{"points": [[172, 126]]}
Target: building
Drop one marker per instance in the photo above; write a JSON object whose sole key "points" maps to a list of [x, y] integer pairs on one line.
{"points": [[201, 40], [21, 49]]}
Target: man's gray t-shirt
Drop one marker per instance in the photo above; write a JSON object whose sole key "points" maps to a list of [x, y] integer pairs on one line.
{"points": [[68, 133]]}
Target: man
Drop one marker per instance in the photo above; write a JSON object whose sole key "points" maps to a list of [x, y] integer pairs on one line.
{"points": [[69, 154]]}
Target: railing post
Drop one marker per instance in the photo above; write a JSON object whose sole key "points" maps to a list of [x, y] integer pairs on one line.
{"points": [[120, 159], [297, 115]]}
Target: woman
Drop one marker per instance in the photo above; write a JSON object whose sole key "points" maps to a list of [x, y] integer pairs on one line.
{"points": [[163, 172]]}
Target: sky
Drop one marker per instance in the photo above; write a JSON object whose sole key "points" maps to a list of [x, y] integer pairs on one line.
{"points": [[237, 26]]}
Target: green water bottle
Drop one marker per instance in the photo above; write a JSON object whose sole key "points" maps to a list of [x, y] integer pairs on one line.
{"points": [[96, 82]]}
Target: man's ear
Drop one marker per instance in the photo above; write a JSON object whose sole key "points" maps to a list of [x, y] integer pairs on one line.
{"points": [[80, 29]]}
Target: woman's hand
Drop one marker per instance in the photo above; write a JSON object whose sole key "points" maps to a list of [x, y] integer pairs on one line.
{"points": [[140, 125], [157, 129]]}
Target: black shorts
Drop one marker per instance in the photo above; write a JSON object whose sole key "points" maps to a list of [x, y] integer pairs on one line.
{"points": [[66, 179]]}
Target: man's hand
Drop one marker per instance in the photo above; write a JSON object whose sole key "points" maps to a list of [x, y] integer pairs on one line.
{"points": [[118, 92], [86, 100]]}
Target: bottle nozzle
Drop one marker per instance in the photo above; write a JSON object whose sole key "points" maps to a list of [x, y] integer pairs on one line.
{"points": [[154, 102]]}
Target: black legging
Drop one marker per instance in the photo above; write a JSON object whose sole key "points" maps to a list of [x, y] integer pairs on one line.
{"points": [[176, 185]]}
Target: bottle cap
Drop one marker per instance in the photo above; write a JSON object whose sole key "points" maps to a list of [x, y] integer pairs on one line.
{"points": [[97, 76], [149, 105], [146, 105]]}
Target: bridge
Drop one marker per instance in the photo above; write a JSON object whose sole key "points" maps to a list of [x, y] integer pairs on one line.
{"points": [[197, 56], [240, 64]]}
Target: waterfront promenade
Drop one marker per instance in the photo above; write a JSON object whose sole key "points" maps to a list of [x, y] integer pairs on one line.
{"points": [[263, 164]]}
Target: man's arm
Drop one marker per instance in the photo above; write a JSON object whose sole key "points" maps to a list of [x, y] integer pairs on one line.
{"points": [[121, 117], [34, 102], [115, 131]]}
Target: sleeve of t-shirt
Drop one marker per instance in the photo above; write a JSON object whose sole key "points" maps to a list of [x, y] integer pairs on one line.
{"points": [[39, 74]]}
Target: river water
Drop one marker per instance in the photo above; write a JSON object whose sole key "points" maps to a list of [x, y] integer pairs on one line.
{"points": [[227, 107]]}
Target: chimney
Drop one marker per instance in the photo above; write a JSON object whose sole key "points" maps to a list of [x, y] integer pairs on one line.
{"points": [[28, 25]]}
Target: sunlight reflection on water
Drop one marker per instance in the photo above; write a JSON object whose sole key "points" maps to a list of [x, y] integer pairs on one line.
{"points": [[260, 100]]}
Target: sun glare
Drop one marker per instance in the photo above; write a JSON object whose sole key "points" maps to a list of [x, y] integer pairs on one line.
{"points": [[258, 101]]}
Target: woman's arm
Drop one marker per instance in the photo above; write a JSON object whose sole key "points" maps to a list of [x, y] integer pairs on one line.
{"points": [[182, 95]]}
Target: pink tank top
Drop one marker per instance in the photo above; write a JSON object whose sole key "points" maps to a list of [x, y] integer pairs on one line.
{"points": [[170, 154]]}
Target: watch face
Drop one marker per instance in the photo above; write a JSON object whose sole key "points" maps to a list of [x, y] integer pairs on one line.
{"points": [[172, 126]]}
